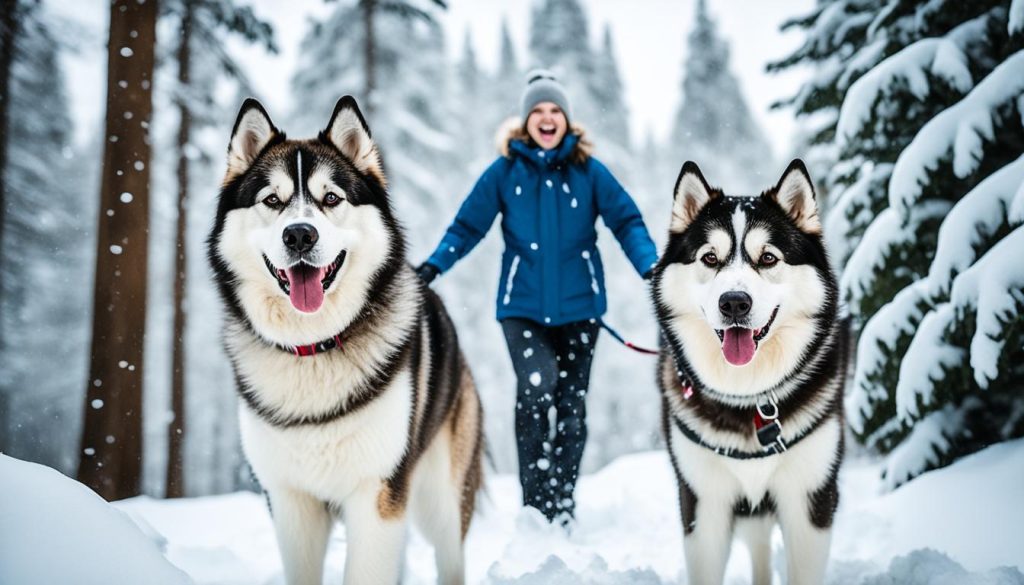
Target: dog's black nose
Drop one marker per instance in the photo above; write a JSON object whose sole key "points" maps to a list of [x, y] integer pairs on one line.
{"points": [[735, 305], [300, 237]]}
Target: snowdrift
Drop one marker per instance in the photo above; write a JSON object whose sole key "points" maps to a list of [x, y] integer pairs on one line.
{"points": [[960, 525]]}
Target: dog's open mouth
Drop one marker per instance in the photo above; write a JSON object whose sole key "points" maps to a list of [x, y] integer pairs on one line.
{"points": [[739, 344], [305, 284]]}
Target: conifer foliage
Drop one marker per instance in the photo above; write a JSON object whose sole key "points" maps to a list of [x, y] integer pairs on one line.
{"points": [[394, 65], [714, 125], [921, 102], [560, 41], [44, 265], [200, 62]]}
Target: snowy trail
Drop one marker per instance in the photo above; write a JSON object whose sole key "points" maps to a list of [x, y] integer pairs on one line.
{"points": [[629, 531]]}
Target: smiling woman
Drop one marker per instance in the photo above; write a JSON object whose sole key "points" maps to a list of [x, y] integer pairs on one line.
{"points": [[548, 107], [551, 295]]}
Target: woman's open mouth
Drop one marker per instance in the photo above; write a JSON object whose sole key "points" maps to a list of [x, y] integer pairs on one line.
{"points": [[305, 284], [547, 131], [739, 343]]}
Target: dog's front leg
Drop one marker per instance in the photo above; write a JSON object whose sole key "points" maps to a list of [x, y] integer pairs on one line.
{"points": [[302, 524], [806, 544], [707, 545], [375, 528]]}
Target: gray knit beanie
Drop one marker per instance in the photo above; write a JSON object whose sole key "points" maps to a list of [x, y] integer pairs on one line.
{"points": [[542, 86]]}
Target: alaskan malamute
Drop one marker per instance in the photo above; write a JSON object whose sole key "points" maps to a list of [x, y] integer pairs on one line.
{"points": [[751, 374], [357, 402]]}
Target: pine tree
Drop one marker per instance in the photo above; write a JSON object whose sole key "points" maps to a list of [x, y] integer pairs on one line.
{"points": [[371, 11], [503, 93], [8, 36], [508, 65], [559, 41], [608, 92], [925, 103], [411, 118], [203, 24], [111, 462], [43, 274], [559, 36], [473, 134], [714, 125]]}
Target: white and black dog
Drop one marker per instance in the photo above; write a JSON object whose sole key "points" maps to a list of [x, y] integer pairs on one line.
{"points": [[357, 402], [751, 373]]}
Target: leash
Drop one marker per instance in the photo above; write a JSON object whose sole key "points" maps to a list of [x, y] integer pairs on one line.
{"points": [[623, 341]]}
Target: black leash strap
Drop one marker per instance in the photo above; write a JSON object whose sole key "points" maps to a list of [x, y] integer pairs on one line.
{"points": [[623, 341]]}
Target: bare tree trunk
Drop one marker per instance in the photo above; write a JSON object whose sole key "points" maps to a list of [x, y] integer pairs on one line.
{"points": [[175, 487], [8, 35], [370, 57], [111, 459]]}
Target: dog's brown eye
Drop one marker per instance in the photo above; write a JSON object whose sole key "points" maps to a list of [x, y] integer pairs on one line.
{"points": [[709, 259], [332, 199], [768, 259], [272, 202]]}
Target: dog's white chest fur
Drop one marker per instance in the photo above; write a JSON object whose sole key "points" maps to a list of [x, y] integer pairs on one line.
{"points": [[711, 475], [331, 460]]}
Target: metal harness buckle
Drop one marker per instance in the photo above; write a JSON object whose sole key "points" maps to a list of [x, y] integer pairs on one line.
{"points": [[767, 426]]}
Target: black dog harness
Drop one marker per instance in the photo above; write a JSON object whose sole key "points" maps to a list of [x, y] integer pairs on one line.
{"points": [[766, 423]]}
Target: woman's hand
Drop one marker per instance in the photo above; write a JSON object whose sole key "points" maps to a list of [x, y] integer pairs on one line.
{"points": [[427, 272]]}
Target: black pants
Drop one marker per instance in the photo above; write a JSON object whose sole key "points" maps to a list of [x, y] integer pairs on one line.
{"points": [[552, 366]]}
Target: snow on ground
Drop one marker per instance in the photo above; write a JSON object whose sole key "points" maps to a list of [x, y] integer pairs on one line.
{"points": [[961, 525], [55, 530]]}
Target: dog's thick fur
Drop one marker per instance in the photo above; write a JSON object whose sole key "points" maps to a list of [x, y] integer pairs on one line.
{"points": [[769, 251], [385, 426]]}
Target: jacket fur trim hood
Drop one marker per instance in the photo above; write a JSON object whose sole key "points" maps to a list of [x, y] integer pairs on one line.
{"points": [[514, 129]]}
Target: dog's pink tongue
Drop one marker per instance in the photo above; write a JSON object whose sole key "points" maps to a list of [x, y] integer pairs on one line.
{"points": [[306, 290], [738, 345]]}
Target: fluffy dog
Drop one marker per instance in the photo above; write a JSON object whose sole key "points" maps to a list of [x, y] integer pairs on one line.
{"points": [[356, 401], [751, 374]]}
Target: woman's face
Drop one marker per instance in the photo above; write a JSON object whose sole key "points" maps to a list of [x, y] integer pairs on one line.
{"points": [[547, 125]]}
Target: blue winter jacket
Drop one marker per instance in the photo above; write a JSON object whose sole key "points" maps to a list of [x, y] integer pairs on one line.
{"points": [[551, 271]]}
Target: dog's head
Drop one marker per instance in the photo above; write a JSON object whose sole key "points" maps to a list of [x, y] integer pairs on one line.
{"points": [[743, 279], [303, 226]]}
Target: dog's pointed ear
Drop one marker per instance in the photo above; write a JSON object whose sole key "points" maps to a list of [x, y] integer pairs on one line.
{"points": [[795, 195], [348, 132], [691, 194], [252, 133]]}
